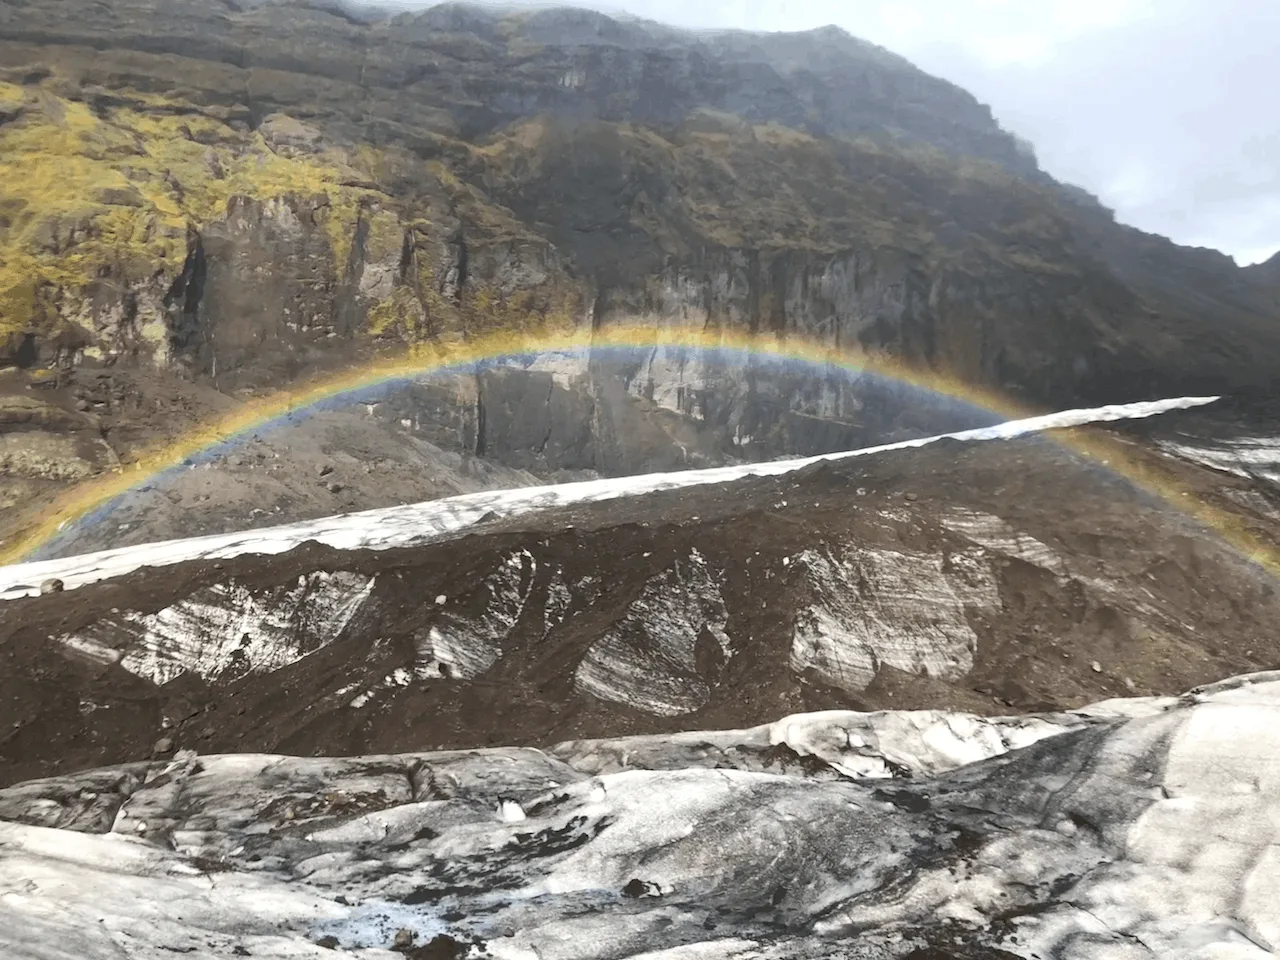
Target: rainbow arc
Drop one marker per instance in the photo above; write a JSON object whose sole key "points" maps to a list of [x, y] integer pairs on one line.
{"points": [[91, 500]]}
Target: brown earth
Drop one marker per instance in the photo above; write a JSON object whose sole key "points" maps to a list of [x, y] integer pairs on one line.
{"points": [[1149, 603]]}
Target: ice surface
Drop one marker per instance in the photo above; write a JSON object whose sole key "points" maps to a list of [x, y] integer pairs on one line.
{"points": [[1254, 457], [420, 523], [1143, 828], [870, 607], [226, 624], [648, 659]]}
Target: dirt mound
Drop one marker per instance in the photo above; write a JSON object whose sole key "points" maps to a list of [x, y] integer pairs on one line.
{"points": [[994, 578]]}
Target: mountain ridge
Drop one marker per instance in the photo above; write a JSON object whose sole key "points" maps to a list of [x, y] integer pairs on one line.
{"points": [[205, 202], [838, 90]]}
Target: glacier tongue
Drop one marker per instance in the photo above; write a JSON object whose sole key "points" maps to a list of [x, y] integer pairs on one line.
{"points": [[421, 523], [1133, 829]]}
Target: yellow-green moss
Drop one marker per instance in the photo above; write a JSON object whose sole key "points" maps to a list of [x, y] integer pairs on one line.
{"points": [[442, 173], [384, 239], [84, 196], [340, 224], [550, 308], [400, 315], [441, 312], [81, 193], [777, 134], [523, 137], [12, 96]]}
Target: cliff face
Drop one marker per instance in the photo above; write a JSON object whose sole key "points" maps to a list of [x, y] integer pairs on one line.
{"points": [[141, 226], [239, 192]]}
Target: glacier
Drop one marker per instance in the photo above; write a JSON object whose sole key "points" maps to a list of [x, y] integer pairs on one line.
{"points": [[1133, 828]]}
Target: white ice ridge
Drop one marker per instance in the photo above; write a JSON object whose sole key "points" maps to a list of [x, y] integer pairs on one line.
{"points": [[414, 524]]}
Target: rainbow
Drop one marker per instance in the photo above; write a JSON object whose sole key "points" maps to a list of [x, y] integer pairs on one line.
{"points": [[92, 498]]}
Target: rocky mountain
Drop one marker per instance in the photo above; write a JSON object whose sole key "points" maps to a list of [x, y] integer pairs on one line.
{"points": [[1267, 272], [924, 698], [462, 167], [205, 200]]}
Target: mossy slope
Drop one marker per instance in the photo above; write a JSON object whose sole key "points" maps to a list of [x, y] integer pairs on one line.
{"points": [[115, 187]]}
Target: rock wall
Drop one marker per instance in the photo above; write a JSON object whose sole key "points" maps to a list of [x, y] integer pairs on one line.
{"points": [[144, 229], [242, 195]]}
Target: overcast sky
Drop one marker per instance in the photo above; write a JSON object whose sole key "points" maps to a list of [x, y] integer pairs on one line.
{"points": [[1169, 110]]}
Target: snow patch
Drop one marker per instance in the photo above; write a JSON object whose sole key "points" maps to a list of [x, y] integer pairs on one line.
{"points": [[511, 812], [559, 600], [879, 745], [1250, 457], [228, 627], [398, 678], [375, 923], [461, 646], [995, 534], [650, 658]]}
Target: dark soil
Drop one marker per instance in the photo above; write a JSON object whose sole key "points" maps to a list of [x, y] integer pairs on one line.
{"points": [[1056, 642]]}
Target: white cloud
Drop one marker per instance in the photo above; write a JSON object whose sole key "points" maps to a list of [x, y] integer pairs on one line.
{"points": [[1169, 116]]}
